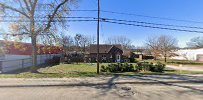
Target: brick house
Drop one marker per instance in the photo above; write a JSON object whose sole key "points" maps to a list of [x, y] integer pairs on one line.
{"points": [[109, 53]]}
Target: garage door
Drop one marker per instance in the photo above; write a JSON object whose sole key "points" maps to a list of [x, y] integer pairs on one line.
{"points": [[200, 58]]}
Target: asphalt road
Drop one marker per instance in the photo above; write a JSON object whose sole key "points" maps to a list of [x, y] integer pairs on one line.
{"points": [[138, 87]]}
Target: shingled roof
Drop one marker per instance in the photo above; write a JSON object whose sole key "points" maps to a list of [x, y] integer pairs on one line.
{"points": [[103, 48]]}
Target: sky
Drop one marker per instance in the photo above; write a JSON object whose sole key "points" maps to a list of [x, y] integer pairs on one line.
{"points": [[174, 9]]}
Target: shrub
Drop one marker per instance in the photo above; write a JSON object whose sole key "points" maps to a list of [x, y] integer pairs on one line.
{"points": [[133, 60], [146, 66], [54, 61], [159, 67], [152, 68], [103, 69], [127, 67], [143, 66], [118, 68], [139, 67]]}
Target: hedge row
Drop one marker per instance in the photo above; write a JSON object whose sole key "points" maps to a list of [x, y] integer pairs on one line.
{"points": [[141, 66]]}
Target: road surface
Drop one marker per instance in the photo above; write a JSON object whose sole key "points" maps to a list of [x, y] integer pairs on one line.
{"points": [[136, 87]]}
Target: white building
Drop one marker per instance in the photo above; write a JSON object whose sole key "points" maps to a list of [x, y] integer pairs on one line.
{"points": [[189, 54]]}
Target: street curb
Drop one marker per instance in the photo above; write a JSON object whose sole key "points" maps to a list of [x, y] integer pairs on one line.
{"points": [[101, 83]]}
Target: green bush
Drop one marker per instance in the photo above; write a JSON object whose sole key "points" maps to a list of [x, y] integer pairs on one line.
{"points": [[146, 66], [141, 66], [118, 68], [103, 69], [127, 67], [133, 60], [152, 68], [159, 67]]}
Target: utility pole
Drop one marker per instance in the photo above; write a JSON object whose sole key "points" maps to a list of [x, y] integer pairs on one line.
{"points": [[98, 20]]}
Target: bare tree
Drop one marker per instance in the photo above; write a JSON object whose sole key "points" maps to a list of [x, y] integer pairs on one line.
{"points": [[163, 45], [153, 45], [196, 42], [184, 55], [78, 38], [167, 45], [86, 41], [66, 42], [91, 40], [36, 17], [119, 40]]}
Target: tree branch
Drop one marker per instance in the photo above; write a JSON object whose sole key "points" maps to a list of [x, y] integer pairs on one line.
{"points": [[51, 17], [14, 9], [27, 6]]}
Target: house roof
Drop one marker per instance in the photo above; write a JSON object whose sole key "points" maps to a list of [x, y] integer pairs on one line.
{"points": [[127, 53], [103, 48]]}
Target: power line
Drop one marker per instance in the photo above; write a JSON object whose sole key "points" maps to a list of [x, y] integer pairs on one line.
{"points": [[45, 17], [141, 22], [131, 14], [194, 27], [146, 16], [118, 21], [156, 27], [47, 20]]}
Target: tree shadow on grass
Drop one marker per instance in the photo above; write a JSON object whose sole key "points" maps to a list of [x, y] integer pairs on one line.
{"points": [[70, 74], [28, 69]]}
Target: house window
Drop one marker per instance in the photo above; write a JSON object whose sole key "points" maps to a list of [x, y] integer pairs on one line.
{"points": [[118, 57], [111, 56], [104, 57]]}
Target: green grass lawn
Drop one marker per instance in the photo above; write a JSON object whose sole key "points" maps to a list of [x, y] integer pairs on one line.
{"points": [[79, 70]]}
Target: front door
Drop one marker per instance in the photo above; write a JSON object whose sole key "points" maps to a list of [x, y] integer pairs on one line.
{"points": [[118, 58]]}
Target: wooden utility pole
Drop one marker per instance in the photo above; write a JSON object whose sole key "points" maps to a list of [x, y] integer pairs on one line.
{"points": [[98, 20]]}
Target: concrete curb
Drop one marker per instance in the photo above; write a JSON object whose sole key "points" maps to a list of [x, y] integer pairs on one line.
{"points": [[99, 83]]}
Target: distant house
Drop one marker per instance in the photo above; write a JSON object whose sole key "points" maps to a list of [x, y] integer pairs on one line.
{"points": [[189, 54], [109, 53]]}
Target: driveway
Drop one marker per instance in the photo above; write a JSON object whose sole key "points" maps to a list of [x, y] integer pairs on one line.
{"points": [[187, 67], [136, 87]]}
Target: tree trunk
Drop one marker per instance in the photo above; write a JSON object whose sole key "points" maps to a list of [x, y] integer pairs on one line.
{"points": [[165, 58], [34, 55], [34, 45], [84, 48], [155, 58]]}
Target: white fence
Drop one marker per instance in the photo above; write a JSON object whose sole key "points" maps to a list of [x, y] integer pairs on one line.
{"points": [[14, 64]]}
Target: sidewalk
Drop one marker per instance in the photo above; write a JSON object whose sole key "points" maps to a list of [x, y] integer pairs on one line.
{"points": [[186, 67]]}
